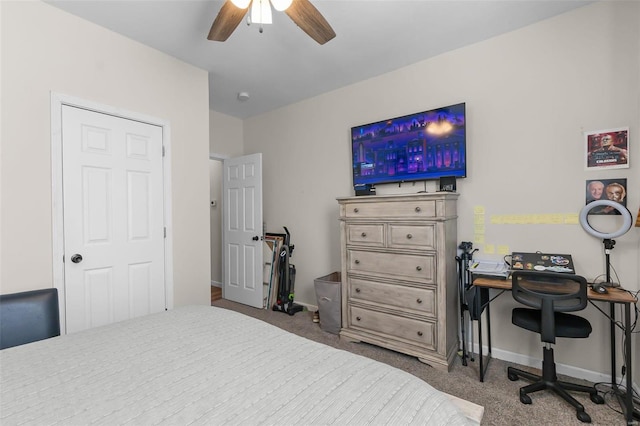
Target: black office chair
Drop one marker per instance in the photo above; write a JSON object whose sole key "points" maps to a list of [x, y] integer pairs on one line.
{"points": [[28, 316], [551, 295]]}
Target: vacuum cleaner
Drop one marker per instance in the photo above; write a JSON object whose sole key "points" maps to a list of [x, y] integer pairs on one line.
{"points": [[287, 279]]}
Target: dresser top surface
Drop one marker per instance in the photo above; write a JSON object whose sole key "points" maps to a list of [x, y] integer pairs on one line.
{"points": [[400, 197]]}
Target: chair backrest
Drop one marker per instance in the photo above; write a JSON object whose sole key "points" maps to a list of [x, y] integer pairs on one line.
{"points": [[28, 316], [549, 292]]}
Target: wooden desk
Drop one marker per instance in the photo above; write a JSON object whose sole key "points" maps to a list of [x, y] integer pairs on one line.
{"points": [[613, 297]]}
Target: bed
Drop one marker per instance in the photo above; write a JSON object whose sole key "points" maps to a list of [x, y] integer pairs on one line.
{"points": [[208, 365]]}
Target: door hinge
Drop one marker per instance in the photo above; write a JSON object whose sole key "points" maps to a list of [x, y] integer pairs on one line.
{"points": [[163, 150], [165, 232]]}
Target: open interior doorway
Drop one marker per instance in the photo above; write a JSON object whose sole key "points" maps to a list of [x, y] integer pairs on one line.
{"points": [[215, 201]]}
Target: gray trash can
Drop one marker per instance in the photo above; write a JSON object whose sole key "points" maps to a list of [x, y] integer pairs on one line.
{"points": [[328, 295]]}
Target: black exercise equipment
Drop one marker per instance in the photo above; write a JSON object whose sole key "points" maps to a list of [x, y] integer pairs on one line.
{"points": [[287, 279]]}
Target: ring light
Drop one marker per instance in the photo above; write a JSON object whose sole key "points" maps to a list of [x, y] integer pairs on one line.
{"points": [[626, 216]]}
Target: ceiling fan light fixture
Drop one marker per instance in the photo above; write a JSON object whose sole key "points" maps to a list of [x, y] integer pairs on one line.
{"points": [[261, 12], [242, 4], [281, 5], [302, 13]]}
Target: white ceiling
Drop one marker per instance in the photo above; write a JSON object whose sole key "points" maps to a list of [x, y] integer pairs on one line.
{"points": [[283, 65]]}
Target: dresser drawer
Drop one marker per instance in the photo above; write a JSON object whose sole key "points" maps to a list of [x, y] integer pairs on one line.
{"points": [[422, 333], [422, 300], [418, 209], [365, 234], [412, 236], [414, 267]]}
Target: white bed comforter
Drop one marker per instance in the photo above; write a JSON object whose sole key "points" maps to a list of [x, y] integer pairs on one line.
{"points": [[207, 365]]}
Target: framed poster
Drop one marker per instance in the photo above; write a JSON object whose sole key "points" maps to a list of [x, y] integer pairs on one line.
{"points": [[606, 189], [607, 149]]}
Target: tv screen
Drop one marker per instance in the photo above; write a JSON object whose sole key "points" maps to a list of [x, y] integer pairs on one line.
{"points": [[422, 146]]}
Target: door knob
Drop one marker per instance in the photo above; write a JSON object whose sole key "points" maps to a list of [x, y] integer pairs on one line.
{"points": [[256, 238], [76, 258]]}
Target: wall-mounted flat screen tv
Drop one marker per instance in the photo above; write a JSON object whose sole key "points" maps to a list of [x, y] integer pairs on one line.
{"points": [[423, 146]]}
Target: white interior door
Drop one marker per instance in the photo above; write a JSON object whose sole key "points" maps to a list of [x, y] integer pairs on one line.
{"points": [[113, 218], [242, 188]]}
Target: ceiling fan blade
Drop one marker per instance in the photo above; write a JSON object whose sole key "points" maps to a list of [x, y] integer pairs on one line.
{"points": [[226, 22], [310, 20]]}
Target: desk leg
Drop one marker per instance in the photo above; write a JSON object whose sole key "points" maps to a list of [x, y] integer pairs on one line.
{"points": [[480, 357], [483, 367], [488, 329], [629, 374], [612, 326], [626, 403]]}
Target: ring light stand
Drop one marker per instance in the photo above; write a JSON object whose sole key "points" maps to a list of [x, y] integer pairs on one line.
{"points": [[607, 238]]}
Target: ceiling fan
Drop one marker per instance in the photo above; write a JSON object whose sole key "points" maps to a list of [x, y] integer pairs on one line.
{"points": [[302, 12]]}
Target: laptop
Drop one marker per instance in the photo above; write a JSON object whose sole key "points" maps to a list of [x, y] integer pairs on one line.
{"points": [[542, 262]]}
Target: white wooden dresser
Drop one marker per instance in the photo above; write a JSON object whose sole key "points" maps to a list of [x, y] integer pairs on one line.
{"points": [[399, 278]]}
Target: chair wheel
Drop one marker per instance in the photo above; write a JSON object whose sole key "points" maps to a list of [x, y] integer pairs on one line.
{"points": [[583, 417], [597, 399], [524, 398], [512, 377]]}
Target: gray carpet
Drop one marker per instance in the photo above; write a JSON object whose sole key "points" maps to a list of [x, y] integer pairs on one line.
{"points": [[498, 395]]}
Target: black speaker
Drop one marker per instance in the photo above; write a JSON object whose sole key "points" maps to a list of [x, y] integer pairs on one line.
{"points": [[448, 183], [364, 190]]}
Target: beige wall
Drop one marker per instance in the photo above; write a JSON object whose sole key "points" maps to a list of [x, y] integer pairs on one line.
{"points": [[44, 49], [530, 94], [226, 134]]}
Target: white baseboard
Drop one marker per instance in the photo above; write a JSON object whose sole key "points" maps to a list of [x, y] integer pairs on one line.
{"points": [[569, 370], [216, 284]]}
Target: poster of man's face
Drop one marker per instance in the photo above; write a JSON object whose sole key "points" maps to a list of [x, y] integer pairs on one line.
{"points": [[607, 149], [606, 189]]}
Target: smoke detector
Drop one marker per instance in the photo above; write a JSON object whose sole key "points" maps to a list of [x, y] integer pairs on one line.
{"points": [[243, 96]]}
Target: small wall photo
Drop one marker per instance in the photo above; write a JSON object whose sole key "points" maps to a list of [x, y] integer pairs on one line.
{"points": [[606, 189], [607, 149]]}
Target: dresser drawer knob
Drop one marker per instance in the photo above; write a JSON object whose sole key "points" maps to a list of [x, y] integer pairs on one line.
{"points": [[363, 235], [418, 209], [419, 301], [418, 268], [409, 236], [420, 333], [357, 262], [357, 290], [356, 210], [358, 318]]}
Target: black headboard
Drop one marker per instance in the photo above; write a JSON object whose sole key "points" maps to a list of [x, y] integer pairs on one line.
{"points": [[28, 316]]}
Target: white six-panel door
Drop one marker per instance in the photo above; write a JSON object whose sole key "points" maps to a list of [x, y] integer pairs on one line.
{"points": [[242, 246], [113, 218]]}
